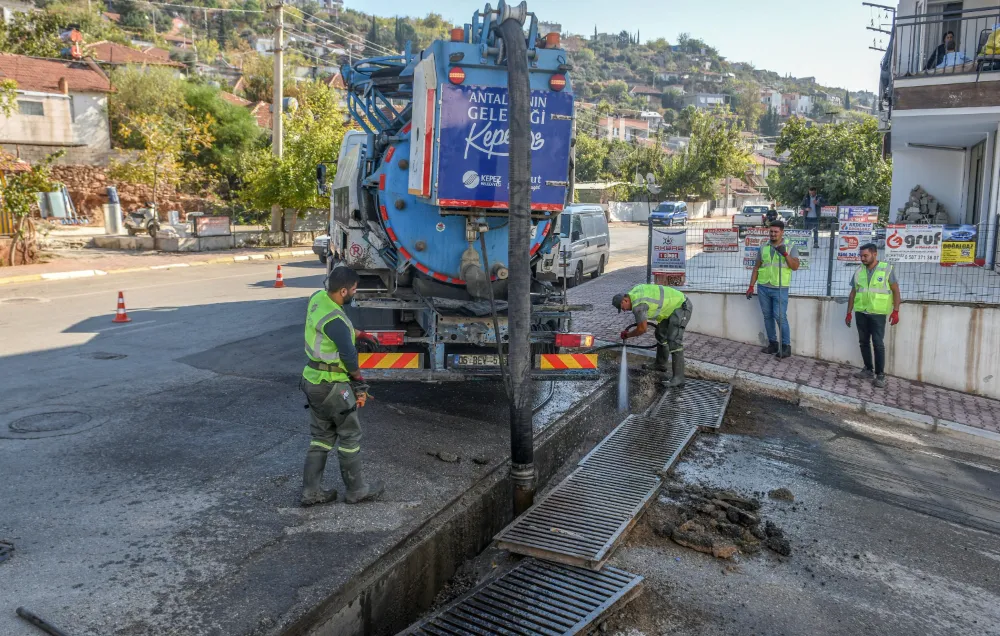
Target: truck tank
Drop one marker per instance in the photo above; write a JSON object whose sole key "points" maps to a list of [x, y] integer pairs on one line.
{"points": [[419, 205], [427, 173]]}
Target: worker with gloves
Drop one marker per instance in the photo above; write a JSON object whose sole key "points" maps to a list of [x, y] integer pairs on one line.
{"points": [[874, 296], [334, 389], [671, 311], [772, 274]]}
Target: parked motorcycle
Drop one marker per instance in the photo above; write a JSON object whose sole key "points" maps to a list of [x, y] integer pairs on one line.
{"points": [[142, 220]]}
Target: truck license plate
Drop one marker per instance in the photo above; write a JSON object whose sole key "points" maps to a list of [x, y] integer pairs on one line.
{"points": [[475, 360]]}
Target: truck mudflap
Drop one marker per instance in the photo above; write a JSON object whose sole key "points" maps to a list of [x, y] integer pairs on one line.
{"points": [[409, 367]]}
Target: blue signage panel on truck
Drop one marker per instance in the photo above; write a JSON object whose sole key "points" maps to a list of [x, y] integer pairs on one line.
{"points": [[475, 142]]}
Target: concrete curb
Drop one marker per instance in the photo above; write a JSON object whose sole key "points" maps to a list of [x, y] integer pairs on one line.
{"points": [[85, 273], [807, 396]]}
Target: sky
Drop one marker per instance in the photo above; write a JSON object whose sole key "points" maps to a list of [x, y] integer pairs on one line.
{"points": [[822, 38]]}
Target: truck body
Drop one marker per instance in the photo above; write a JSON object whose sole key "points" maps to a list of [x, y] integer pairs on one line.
{"points": [[419, 205]]}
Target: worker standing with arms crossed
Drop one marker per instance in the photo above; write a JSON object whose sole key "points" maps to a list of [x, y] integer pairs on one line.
{"points": [[772, 274], [671, 310], [334, 389], [874, 296]]}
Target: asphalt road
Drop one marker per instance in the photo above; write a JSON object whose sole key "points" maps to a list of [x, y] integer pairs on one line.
{"points": [[893, 532], [151, 470]]}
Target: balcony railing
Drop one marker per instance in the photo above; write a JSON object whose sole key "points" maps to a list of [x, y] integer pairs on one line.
{"points": [[917, 38]]}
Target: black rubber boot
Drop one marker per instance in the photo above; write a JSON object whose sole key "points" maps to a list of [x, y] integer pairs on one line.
{"points": [[771, 348], [678, 368], [312, 480], [358, 490], [786, 351]]}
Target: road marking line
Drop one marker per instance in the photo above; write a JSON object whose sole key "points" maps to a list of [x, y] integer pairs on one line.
{"points": [[131, 324]]}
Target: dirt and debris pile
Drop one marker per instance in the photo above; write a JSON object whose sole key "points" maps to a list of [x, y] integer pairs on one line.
{"points": [[717, 522]]}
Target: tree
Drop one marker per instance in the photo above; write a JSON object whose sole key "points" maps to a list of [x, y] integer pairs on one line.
{"points": [[616, 90], [152, 91], [8, 97], [34, 33], [847, 100], [373, 40], [770, 123], [685, 121], [258, 78], [843, 160], [591, 156], [18, 196], [746, 102], [716, 150], [672, 98], [313, 133], [164, 141], [232, 128]]}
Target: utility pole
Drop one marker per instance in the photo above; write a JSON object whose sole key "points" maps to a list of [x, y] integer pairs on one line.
{"points": [[277, 133]]}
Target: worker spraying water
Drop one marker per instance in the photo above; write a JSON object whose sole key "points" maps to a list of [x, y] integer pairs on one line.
{"points": [[671, 310]]}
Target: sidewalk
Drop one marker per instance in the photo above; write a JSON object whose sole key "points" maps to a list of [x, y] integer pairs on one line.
{"points": [[97, 262], [932, 406]]}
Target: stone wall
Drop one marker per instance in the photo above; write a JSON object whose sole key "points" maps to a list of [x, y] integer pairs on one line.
{"points": [[88, 187]]}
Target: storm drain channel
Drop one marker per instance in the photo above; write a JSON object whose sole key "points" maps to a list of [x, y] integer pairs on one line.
{"points": [[534, 597], [581, 520], [572, 531]]}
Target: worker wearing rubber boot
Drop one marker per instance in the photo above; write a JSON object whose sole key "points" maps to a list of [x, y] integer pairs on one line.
{"points": [[334, 389], [671, 311]]}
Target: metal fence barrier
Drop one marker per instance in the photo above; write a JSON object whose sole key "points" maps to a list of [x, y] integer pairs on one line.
{"points": [[719, 258]]}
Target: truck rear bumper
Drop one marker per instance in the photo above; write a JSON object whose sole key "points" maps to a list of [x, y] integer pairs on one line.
{"points": [[456, 375]]}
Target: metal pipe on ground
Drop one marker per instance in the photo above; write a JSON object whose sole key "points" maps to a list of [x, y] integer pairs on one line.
{"points": [[522, 469]]}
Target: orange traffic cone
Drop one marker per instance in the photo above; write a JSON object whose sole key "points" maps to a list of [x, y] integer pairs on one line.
{"points": [[279, 281], [120, 315]]}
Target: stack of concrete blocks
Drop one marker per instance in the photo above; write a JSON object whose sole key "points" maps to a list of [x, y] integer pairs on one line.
{"points": [[922, 209]]}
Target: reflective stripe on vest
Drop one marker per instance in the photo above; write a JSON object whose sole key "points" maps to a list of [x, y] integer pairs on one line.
{"points": [[318, 347], [771, 263], [873, 295], [660, 301]]}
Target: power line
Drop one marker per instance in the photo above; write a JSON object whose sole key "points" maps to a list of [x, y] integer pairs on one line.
{"points": [[316, 22], [211, 9]]}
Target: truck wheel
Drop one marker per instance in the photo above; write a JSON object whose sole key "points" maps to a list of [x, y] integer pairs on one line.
{"points": [[322, 258], [600, 269]]}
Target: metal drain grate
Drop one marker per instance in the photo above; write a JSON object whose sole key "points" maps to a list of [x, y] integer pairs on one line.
{"points": [[534, 598], [581, 520], [640, 446], [697, 403]]}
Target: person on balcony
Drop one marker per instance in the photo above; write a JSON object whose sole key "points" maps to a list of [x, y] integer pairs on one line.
{"points": [[940, 51], [952, 57]]}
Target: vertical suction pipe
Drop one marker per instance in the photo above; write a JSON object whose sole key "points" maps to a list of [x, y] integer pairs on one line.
{"points": [[522, 470]]}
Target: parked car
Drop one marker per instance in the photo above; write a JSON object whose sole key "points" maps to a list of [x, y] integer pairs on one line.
{"points": [[750, 216], [669, 213], [321, 247], [584, 246]]}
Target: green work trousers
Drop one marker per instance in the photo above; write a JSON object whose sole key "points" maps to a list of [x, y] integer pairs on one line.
{"points": [[334, 419], [669, 334]]}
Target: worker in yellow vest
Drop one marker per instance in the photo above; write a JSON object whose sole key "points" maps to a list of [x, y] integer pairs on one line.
{"points": [[334, 389], [772, 274], [874, 296], [670, 309]]}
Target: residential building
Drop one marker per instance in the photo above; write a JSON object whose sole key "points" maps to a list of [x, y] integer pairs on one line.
{"points": [[672, 77], [796, 104], [772, 100], [945, 123], [623, 128], [9, 7], [549, 27], [61, 105], [654, 119], [111, 54], [706, 101], [650, 94], [264, 46]]}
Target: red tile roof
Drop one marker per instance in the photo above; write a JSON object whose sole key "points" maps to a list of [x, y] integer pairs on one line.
{"points": [[262, 111], [335, 81], [163, 54], [42, 74], [761, 159], [639, 89], [235, 99], [114, 53]]}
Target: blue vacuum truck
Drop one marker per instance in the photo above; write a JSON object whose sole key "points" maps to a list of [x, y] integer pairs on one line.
{"points": [[419, 205]]}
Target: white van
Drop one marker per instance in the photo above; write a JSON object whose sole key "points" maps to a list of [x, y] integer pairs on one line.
{"points": [[584, 245]]}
